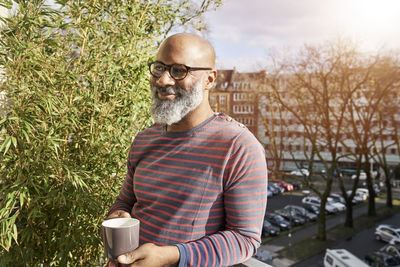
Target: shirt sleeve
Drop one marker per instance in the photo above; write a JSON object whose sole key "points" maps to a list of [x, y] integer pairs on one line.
{"points": [[126, 198], [245, 199]]}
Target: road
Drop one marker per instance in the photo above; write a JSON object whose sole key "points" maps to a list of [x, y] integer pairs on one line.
{"points": [[355, 244], [361, 244]]}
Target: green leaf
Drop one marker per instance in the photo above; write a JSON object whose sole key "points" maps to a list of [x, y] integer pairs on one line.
{"points": [[14, 141], [6, 145], [15, 233]]}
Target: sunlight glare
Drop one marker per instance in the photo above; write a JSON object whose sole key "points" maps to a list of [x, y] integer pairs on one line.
{"points": [[372, 19]]}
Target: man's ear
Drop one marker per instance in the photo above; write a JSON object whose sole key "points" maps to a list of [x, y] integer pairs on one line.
{"points": [[212, 75]]}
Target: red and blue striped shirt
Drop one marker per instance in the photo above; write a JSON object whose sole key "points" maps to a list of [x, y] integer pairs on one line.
{"points": [[204, 190]]}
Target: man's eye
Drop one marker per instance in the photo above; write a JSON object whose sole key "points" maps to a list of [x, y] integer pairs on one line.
{"points": [[159, 68], [179, 70]]}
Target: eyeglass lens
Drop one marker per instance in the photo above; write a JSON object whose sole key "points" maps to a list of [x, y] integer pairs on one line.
{"points": [[176, 71]]}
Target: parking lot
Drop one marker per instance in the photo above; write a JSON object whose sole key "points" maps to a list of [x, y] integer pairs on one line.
{"points": [[285, 238], [361, 244]]}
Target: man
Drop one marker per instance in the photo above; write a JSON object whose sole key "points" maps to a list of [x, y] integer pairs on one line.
{"points": [[196, 180]]}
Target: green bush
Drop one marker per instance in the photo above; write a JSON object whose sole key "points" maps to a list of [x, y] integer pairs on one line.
{"points": [[76, 85]]}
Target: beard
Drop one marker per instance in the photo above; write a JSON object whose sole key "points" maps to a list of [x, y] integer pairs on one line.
{"points": [[173, 111]]}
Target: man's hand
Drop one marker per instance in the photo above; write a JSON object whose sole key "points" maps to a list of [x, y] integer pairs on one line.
{"points": [[150, 255], [119, 214]]}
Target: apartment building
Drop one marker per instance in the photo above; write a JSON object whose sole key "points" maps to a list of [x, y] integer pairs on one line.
{"points": [[247, 97], [236, 94]]}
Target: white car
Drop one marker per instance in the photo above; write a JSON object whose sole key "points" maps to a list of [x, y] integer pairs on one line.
{"points": [[316, 201], [336, 204], [300, 172], [388, 233], [338, 198], [363, 192], [357, 197], [391, 249], [363, 176]]}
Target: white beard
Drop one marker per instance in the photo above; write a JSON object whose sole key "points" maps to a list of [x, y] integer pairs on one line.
{"points": [[173, 111]]}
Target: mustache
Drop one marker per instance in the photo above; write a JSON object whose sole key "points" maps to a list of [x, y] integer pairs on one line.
{"points": [[167, 89]]}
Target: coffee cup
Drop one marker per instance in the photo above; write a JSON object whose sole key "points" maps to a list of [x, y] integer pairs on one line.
{"points": [[120, 235]]}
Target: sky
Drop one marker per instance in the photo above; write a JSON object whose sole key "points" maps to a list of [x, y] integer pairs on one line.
{"points": [[244, 33]]}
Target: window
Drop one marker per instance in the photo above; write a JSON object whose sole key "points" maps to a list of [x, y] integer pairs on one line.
{"points": [[329, 259], [222, 99], [243, 109], [248, 121], [242, 96]]}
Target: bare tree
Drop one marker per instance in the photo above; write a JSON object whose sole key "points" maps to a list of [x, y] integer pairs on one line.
{"points": [[320, 84], [368, 120], [274, 122], [384, 134]]}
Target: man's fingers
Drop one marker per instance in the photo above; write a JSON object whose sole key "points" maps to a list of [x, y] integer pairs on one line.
{"points": [[129, 257], [124, 214], [119, 214]]}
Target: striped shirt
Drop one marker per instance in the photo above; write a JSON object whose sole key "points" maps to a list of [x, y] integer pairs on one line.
{"points": [[204, 190]]}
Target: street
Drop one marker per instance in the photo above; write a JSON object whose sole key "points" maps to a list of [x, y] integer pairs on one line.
{"points": [[361, 244]]}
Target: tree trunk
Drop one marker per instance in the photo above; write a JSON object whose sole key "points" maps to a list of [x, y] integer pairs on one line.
{"points": [[371, 198], [321, 235], [349, 214], [389, 200]]}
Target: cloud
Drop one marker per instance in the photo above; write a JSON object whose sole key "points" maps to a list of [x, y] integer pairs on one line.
{"points": [[248, 29]]}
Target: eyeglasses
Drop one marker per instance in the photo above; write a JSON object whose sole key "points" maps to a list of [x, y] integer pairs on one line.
{"points": [[176, 71]]}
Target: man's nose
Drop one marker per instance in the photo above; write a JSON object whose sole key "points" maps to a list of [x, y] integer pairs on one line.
{"points": [[165, 79]]}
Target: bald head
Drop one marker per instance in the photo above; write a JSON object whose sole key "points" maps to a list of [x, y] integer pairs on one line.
{"points": [[188, 49]]}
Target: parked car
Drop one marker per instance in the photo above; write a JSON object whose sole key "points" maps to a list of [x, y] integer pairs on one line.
{"points": [[286, 186], [338, 198], [278, 221], [269, 229], [317, 202], [278, 186], [377, 189], [357, 197], [309, 216], [381, 259], [363, 192], [311, 208], [391, 249], [338, 205], [274, 190], [269, 193], [296, 185], [291, 217], [388, 233], [363, 176], [300, 172]]}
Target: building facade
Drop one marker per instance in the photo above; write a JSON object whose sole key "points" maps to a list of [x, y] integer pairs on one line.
{"points": [[248, 98], [236, 94]]}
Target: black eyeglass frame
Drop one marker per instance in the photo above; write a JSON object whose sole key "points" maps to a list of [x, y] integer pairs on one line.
{"points": [[168, 67]]}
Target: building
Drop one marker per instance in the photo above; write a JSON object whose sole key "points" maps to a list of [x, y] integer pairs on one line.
{"points": [[236, 94], [248, 98]]}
